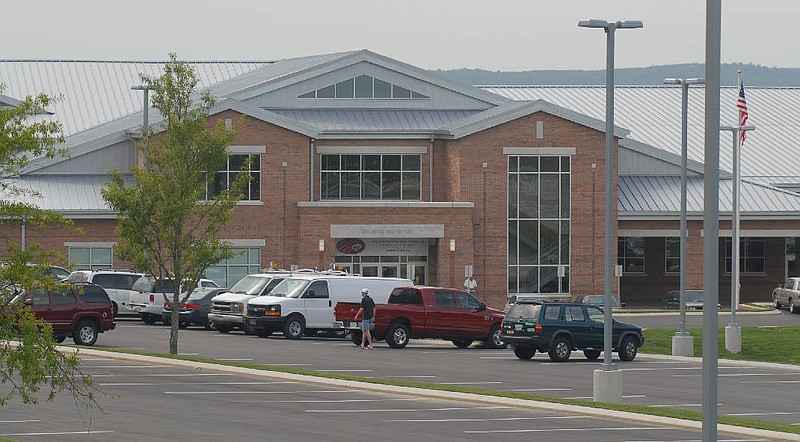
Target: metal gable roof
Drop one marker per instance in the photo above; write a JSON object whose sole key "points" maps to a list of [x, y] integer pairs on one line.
{"points": [[652, 114], [647, 196], [339, 120]]}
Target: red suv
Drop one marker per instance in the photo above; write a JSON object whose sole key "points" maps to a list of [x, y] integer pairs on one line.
{"points": [[79, 311]]}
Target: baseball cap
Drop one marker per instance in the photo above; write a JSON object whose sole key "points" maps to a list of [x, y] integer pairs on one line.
{"points": [[364, 291]]}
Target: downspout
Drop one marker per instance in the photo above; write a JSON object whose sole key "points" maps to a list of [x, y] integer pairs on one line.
{"points": [[311, 171], [430, 169]]}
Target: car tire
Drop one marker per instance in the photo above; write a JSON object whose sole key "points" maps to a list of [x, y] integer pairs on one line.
{"points": [[85, 333], [462, 343], [166, 320], [495, 338], [294, 327], [208, 325], [248, 329], [561, 349], [792, 307], [116, 309], [149, 319], [355, 336], [398, 335], [591, 355], [223, 328], [263, 332], [524, 353], [775, 303], [183, 324], [628, 348], [59, 339]]}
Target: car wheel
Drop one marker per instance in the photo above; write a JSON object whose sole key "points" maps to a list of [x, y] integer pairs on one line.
{"points": [[355, 336], [337, 333], [149, 319], [591, 355], [85, 333], [208, 325], [116, 309], [495, 338], [59, 339], [294, 328], [263, 332], [462, 343], [524, 353], [166, 320], [248, 329], [627, 350], [223, 328], [775, 303], [561, 349], [398, 335], [183, 324], [793, 308]]}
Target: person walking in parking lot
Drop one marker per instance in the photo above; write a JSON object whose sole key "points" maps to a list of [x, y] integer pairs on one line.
{"points": [[470, 284], [367, 311]]}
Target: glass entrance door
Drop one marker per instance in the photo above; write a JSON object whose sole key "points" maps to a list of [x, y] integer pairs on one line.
{"points": [[415, 272]]}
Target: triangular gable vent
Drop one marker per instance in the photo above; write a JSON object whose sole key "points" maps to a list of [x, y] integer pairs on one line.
{"points": [[364, 87]]}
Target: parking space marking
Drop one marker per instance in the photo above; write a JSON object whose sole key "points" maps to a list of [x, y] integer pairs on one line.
{"points": [[415, 376], [235, 359], [773, 413], [486, 419], [679, 405], [23, 421], [60, 433], [260, 392], [470, 383], [124, 366], [698, 368], [522, 390], [134, 384], [499, 357], [344, 370], [413, 410], [770, 382], [629, 396], [551, 430], [336, 401]]}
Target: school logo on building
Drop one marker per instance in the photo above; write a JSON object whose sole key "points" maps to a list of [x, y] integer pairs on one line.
{"points": [[350, 246]]}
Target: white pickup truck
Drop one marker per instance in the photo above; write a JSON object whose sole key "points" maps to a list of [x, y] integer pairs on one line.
{"points": [[147, 298], [227, 309], [788, 294]]}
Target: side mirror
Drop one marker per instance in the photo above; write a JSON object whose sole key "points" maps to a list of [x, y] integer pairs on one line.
{"points": [[482, 306], [28, 301]]}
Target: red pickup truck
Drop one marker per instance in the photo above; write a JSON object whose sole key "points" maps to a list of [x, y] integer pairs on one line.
{"points": [[427, 312]]}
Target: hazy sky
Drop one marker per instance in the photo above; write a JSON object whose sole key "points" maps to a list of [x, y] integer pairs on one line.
{"points": [[508, 35]]}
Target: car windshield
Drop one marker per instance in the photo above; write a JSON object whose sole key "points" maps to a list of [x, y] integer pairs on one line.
{"points": [[524, 311], [250, 285], [59, 273], [692, 296], [599, 300], [290, 288]]}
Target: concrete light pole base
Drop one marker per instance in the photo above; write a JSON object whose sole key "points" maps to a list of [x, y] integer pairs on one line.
{"points": [[683, 344], [608, 385], [733, 338]]}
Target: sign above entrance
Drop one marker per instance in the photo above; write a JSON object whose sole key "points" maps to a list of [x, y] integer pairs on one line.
{"points": [[382, 247], [383, 231]]}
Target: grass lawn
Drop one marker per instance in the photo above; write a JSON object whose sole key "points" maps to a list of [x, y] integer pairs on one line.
{"points": [[764, 344]]}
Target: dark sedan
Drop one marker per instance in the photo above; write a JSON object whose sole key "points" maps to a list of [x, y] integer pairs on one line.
{"points": [[195, 310]]}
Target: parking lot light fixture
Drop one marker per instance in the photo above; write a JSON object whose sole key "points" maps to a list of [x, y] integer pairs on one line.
{"points": [[682, 343]]}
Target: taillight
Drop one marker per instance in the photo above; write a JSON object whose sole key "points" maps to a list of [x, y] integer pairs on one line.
{"points": [[191, 306], [166, 305], [537, 328], [152, 297]]}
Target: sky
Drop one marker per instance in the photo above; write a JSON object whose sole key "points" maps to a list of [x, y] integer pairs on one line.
{"points": [[500, 35]]}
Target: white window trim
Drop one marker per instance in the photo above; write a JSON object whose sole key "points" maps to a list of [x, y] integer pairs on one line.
{"points": [[539, 151], [371, 150], [245, 242], [92, 244], [247, 150]]}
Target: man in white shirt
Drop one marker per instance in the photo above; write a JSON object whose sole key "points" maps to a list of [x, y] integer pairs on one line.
{"points": [[470, 284]]}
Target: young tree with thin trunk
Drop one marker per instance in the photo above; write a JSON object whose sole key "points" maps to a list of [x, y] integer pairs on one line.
{"points": [[168, 222], [30, 362]]}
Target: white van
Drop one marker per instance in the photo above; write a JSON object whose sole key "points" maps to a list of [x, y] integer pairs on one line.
{"points": [[227, 309], [303, 305]]}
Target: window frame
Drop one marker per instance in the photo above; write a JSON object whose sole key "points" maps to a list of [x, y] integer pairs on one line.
{"points": [[230, 174], [388, 179], [745, 247], [623, 259]]}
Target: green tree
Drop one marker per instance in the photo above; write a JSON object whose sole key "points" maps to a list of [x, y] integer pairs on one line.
{"points": [[169, 227], [30, 362]]}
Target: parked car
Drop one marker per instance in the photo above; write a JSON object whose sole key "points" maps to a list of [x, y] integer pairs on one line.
{"points": [[788, 294], [427, 312], [195, 310], [598, 300], [693, 300], [228, 308], [303, 305], [513, 299], [148, 297], [79, 311], [118, 283], [559, 328]]}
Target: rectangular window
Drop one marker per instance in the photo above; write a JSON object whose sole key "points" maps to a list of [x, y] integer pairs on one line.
{"points": [[371, 177], [224, 178], [630, 254], [538, 224], [751, 255], [672, 255], [245, 261], [90, 258]]}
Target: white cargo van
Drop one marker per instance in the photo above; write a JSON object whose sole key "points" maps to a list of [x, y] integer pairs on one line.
{"points": [[227, 309], [303, 305]]}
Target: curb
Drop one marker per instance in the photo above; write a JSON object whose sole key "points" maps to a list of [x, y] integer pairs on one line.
{"points": [[437, 394]]}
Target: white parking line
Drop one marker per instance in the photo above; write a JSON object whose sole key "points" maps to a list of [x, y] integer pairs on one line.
{"points": [[414, 376], [771, 382], [259, 392], [522, 390], [235, 359], [20, 421], [345, 370], [486, 419], [679, 405], [774, 413], [630, 396], [60, 433], [413, 410], [144, 384], [540, 430], [125, 366], [318, 401], [470, 383]]}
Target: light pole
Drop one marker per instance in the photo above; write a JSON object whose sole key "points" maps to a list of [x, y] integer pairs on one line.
{"points": [[682, 342], [608, 380], [145, 112], [733, 332]]}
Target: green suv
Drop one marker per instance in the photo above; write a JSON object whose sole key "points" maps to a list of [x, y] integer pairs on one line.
{"points": [[558, 328]]}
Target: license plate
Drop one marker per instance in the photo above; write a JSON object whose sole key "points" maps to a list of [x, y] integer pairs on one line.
{"points": [[517, 326], [137, 309], [251, 321], [510, 332]]}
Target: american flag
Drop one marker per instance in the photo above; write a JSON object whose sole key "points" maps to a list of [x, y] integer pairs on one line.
{"points": [[741, 104]]}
